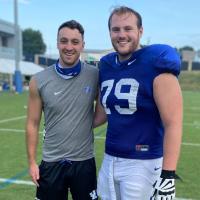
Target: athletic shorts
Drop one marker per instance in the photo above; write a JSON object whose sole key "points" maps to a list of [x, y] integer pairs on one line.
{"points": [[56, 178], [127, 179]]}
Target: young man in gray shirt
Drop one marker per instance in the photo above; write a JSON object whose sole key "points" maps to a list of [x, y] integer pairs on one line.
{"points": [[65, 92]]}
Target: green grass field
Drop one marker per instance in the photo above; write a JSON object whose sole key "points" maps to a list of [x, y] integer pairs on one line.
{"points": [[13, 164]]}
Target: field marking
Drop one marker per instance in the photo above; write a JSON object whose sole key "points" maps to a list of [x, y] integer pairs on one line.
{"points": [[183, 143], [196, 124], [20, 182], [12, 119], [7, 182], [190, 144], [15, 130], [12, 130], [192, 108], [183, 199], [96, 137]]}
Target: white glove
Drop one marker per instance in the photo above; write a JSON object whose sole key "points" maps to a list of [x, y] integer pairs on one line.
{"points": [[164, 187]]}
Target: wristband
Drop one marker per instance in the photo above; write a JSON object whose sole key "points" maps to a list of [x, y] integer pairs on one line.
{"points": [[169, 174]]}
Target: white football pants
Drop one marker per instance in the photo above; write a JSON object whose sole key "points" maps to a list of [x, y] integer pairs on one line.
{"points": [[127, 179]]}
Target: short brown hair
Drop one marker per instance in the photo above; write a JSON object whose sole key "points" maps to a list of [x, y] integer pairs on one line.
{"points": [[72, 24], [123, 10]]}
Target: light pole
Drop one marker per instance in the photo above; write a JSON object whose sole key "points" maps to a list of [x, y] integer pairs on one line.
{"points": [[17, 75]]}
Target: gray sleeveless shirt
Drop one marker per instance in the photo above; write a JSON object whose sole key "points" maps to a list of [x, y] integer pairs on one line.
{"points": [[68, 113]]}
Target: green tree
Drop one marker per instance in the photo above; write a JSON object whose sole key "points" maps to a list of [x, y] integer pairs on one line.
{"points": [[33, 42], [188, 48]]}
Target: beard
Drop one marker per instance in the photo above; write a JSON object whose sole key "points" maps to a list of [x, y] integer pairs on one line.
{"points": [[69, 61], [125, 51]]}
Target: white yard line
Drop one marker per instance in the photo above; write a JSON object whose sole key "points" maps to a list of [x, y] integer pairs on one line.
{"points": [[184, 143], [21, 182], [4, 180], [192, 108], [191, 144], [96, 137], [194, 124], [183, 199], [12, 130], [12, 119], [15, 130]]}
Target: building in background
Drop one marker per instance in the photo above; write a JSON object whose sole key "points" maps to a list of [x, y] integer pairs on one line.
{"points": [[7, 40], [90, 56], [190, 60], [7, 51], [7, 58]]}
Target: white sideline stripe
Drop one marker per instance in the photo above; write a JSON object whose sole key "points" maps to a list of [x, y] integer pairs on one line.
{"points": [[4, 180], [12, 119], [20, 182]]}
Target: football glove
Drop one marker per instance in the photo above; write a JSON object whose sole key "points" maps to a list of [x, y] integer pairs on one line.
{"points": [[164, 187]]}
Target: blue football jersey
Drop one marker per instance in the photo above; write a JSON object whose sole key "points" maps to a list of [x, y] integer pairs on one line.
{"points": [[135, 129]]}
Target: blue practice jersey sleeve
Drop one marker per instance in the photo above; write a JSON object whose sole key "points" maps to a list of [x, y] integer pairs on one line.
{"points": [[167, 59]]}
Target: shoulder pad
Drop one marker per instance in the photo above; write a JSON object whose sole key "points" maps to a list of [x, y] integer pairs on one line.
{"points": [[166, 59]]}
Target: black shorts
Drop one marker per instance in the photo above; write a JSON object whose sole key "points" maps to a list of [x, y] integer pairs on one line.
{"points": [[56, 178]]}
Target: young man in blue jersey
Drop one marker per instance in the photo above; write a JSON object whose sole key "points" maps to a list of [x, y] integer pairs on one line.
{"points": [[65, 92], [141, 96]]}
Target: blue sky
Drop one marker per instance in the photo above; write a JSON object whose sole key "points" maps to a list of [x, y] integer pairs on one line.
{"points": [[175, 22]]}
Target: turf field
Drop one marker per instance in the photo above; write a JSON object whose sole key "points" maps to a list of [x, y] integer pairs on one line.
{"points": [[14, 179]]}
